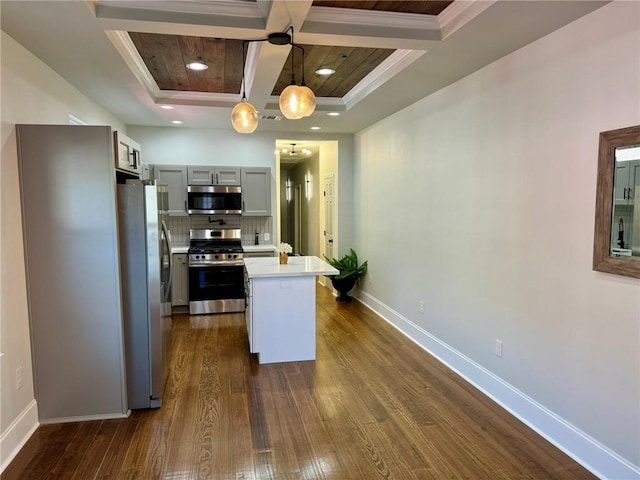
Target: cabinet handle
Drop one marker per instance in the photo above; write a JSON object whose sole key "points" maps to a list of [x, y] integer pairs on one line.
{"points": [[216, 178], [185, 206], [629, 193], [243, 205], [624, 193]]}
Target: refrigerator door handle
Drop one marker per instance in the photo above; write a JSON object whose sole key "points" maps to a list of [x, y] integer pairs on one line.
{"points": [[167, 239]]}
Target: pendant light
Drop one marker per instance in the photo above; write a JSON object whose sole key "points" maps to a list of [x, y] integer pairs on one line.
{"points": [[297, 101], [244, 116]]}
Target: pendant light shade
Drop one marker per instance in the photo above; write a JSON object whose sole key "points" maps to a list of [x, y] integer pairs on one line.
{"points": [[297, 102], [244, 117]]}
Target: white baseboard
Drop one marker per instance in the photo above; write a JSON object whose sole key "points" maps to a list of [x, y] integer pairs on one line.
{"points": [[584, 449], [17, 434]]}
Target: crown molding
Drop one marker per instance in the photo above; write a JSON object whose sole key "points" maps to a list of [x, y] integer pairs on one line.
{"points": [[127, 50], [372, 18], [393, 64], [132, 58], [461, 12], [356, 23]]}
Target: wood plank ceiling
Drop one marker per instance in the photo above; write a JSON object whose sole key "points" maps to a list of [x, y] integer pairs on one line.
{"points": [[165, 56]]}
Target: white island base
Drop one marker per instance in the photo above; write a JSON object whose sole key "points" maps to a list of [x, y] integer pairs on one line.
{"points": [[281, 307]]}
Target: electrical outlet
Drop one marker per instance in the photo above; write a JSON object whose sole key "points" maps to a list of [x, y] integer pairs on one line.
{"points": [[18, 378], [421, 307], [266, 236], [498, 348]]}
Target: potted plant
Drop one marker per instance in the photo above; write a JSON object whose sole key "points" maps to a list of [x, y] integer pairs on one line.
{"points": [[349, 274]]}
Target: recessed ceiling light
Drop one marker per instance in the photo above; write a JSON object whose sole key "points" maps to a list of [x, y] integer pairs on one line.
{"points": [[166, 107], [333, 114], [315, 128], [176, 122], [325, 71], [197, 66]]}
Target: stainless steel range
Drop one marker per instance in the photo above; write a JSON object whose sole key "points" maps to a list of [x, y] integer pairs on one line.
{"points": [[216, 271]]}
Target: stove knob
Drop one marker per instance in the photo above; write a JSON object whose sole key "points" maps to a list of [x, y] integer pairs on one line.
{"points": [[216, 257]]}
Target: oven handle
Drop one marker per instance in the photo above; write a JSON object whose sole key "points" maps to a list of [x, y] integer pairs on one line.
{"points": [[230, 263]]}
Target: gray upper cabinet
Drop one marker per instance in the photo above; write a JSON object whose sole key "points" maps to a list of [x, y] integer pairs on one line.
{"points": [[175, 176], [627, 180], [207, 175], [256, 192]]}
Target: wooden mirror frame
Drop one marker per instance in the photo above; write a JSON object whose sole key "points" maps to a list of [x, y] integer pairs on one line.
{"points": [[602, 259]]}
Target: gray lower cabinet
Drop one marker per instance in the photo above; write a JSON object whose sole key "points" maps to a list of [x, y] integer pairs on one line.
{"points": [[256, 192], [175, 176], [180, 281]]}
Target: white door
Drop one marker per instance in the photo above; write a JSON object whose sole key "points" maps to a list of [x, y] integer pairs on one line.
{"points": [[328, 215]]}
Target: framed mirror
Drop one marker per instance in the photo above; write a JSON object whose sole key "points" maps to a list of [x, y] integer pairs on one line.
{"points": [[616, 246]]}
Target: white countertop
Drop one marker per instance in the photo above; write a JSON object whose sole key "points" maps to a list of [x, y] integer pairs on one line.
{"points": [[296, 267]]}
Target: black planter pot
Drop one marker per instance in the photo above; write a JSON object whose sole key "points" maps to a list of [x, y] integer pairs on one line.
{"points": [[344, 286]]}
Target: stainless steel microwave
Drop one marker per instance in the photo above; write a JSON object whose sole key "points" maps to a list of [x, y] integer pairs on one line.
{"points": [[214, 200]]}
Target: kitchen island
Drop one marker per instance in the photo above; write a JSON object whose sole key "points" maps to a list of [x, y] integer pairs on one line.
{"points": [[281, 307]]}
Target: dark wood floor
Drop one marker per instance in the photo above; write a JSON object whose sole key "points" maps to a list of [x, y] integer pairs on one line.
{"points": [[373, 405]]}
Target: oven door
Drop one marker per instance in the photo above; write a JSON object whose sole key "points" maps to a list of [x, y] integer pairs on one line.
{"points": [[216, 289], [214, 200]]}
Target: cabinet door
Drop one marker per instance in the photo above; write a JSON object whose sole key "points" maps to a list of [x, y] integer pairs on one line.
{"points": [[621, 182], [200, 175], [175, 176], [634, 180], [248, 314], [180, 280], [256, 192], [145, 172], [127, 153], [227, 176]]}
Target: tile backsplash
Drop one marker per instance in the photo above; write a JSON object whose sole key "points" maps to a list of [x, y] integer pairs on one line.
{"points": [[180, 226]]}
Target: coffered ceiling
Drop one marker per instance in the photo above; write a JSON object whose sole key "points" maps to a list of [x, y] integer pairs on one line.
{"points": [[130, 56]]}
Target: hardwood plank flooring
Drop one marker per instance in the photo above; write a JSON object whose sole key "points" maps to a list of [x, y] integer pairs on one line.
{"points": [[373, 405]]}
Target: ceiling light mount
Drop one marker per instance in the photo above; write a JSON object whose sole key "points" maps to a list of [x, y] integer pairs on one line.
{"points": [[279, 38], [296, 101]]}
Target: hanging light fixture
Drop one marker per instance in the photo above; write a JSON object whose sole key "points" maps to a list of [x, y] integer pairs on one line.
{"points": [[296, 101], [244, 116]]}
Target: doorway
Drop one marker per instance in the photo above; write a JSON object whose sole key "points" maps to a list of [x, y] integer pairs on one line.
{"points": [[306, 172]]}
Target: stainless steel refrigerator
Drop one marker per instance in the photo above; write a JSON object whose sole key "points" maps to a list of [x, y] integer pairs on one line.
{"points": [[145, 261]]}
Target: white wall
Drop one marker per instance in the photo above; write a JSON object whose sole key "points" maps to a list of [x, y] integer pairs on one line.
{"points": [[479, 200], [31, 93]]}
